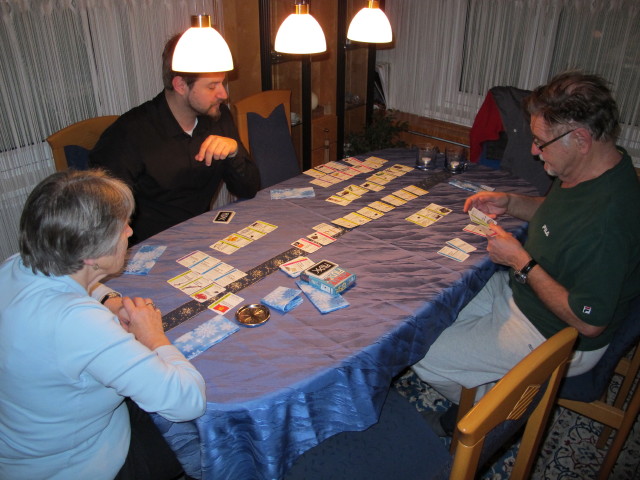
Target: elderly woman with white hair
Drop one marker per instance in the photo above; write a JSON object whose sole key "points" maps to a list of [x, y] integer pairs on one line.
{"points": [[77, 377]]}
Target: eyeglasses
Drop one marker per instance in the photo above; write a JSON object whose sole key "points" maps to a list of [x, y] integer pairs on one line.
{"points": [[546, 144]]}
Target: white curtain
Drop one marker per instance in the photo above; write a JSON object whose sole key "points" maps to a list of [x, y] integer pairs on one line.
{"points": [[62, 61], [448, 53]]}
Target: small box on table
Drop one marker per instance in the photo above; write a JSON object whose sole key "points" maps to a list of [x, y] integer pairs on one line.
{"points": [[328, 277]]}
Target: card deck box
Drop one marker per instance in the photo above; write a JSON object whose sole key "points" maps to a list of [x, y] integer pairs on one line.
{"points": [[328, 277]]}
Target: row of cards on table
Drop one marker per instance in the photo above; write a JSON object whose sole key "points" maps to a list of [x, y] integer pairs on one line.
{"points": [[334, 172]]}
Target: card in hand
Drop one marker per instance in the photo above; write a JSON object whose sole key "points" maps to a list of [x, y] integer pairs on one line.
{"points": [[223, 216]]}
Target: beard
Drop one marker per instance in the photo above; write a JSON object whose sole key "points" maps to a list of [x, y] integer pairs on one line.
{"points": [[213, 111]]}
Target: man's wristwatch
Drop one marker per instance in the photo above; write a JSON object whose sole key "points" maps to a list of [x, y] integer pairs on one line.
{"points": [[522, 274], [108, 296]]}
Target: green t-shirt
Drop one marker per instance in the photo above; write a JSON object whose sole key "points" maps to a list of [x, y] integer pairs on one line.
{"points": [[588, 239]]}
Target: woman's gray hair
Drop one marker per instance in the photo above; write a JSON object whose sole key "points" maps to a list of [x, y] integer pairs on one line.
{"points": [[73, 216]]}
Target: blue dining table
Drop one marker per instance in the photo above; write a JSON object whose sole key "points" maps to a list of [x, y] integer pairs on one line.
{"points": [[277, 390]]}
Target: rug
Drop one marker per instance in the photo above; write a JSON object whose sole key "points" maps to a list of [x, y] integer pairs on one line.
{"points": [[568, 451]]}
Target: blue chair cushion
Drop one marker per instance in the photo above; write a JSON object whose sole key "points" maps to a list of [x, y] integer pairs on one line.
{"points": [[271, 147], [77, 157], [591, 385], [400, 445]]}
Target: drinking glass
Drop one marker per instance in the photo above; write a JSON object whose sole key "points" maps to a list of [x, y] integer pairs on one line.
{"points": [[426, 154], [455, 159]]}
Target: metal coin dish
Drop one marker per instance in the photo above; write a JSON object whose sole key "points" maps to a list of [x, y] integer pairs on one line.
{"points": [[253, 315]]}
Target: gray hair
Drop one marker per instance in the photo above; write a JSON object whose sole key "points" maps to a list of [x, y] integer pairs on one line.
{"points": [[577, 97], [72, 216]]}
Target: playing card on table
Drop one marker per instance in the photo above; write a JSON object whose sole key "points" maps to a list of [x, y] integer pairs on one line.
{"points": [[144, 259], [328, 229], [393, 200], [370, 212], [226, 303], [192, 258], [321, 238], [286, 193], [223, 216], [296, 266], [263, 227], [338, 200], [479, 230], [404, 194], [306, 245], [376, 187], [383, 207], [201, 338], [416, 190], [461, 245], [357, 218], [454, 253]]}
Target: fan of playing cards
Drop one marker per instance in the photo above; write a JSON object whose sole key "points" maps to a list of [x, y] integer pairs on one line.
{"points": [[480, 225]]}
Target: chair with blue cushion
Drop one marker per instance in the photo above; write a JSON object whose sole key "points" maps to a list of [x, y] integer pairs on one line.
{"points": [[586, 394], [71, 145], [264, 127], [402, 445]]}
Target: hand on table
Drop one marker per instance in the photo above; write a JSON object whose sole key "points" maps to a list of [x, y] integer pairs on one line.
{"points": [[216, 147], [492, 204], [505, 249], [144, 320]]}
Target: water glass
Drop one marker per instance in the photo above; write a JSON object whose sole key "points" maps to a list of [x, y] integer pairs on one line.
{"points": [[455, 159], [426, 155]]}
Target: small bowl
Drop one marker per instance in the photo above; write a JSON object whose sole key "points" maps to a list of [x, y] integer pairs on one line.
{"points": [[253, 315]]}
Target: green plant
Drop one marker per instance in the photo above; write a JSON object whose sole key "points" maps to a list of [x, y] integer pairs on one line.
{"points": [[382, 133]]}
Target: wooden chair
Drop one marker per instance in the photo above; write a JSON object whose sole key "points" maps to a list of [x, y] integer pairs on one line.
{"points": [[401, 444], [264, 128], [263, 104], [80, 135], [586, 394]]}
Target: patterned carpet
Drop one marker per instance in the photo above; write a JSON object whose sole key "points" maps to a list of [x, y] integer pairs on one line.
{"points": [[568, 450]]}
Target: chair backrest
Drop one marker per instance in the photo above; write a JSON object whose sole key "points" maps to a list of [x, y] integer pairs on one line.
{"points": [[81, 137], [503, 124], [591, 385], [264, 127], [511, 402], [263, 104]]}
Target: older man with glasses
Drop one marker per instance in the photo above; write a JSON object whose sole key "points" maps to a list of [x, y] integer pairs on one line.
{"points": [[580, 265]]}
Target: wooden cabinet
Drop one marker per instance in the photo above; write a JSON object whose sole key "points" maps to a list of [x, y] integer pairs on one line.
{"points": [[324, 136], [311, 79], [340, 78]]}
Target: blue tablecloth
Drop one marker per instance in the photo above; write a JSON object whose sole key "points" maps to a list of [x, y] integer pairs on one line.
{"points": [[279, 389]]}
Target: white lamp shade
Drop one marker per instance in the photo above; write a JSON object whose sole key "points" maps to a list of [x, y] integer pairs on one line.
{"points": [[300, 33], [370, 25], [201, 50]]}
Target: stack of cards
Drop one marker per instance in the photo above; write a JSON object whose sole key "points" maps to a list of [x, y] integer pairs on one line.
{"points": [[470, 186], [324, 302], [283, 299], [457, 249], [480, 225], [201, 338], [287, 193], [144, 259]]}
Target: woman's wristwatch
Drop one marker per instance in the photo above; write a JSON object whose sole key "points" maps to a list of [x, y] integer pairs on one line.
{"points": [[109, 295], [522, 275]]}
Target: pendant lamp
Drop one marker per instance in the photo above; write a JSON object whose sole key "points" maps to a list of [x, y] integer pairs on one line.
{"points": [[201, 49], [300, 33], [370, 25]]}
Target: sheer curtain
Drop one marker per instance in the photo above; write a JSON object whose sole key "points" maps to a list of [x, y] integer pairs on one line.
{"points": [[62, 61], [448, 53]]}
